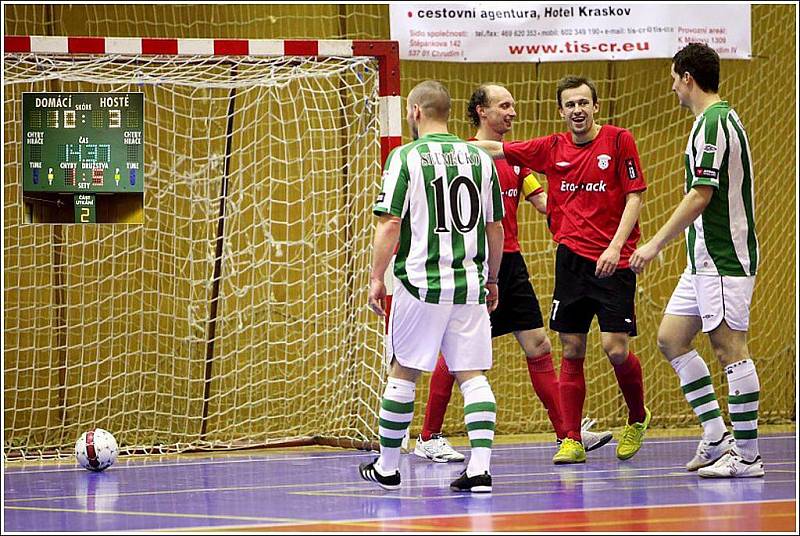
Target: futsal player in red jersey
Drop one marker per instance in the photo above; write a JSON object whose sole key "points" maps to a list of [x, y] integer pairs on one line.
{"points": [[491, 110], [595, 186]]}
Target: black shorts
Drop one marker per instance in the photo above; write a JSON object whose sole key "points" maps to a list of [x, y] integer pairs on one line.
{"points": [[518, 309], [579, 295]]}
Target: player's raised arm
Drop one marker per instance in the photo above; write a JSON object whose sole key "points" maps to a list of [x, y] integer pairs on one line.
{"points": [[494, 148]]}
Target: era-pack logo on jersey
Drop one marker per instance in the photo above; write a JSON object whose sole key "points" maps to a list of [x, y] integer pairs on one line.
{"points": [[706, 173], [708, 148], [630, 165], [584, 186], [603, 160]]}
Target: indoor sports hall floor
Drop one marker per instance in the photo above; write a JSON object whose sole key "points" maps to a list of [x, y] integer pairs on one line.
{"points": [[317, 490]]}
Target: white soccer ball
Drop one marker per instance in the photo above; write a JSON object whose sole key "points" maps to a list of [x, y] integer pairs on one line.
{"points": [[96, 450]]}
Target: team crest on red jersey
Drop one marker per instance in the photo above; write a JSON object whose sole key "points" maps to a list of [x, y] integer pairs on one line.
{"points": [[603, 160]]}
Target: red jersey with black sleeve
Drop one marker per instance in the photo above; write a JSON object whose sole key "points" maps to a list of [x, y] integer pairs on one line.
{"points": [[587, 185], [511, 179]]}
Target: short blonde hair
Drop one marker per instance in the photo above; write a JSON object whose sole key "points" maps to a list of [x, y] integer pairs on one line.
{"points": [[433, 98]]}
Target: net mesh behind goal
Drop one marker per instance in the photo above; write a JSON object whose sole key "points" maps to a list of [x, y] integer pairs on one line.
{"points": [[153, 332]]}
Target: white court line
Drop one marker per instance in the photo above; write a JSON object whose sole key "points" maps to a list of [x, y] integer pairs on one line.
{"points": [[306, 488], [144, 463]]}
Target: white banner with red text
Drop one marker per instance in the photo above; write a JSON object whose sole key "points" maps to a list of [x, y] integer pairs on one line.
{"points": [[532, 32]]}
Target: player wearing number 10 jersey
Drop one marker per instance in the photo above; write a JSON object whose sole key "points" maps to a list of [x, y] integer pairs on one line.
{"points": [[441, 199], [443, 182]]}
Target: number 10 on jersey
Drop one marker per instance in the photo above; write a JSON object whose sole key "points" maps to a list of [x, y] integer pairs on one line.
{"points": [[457, 204]]}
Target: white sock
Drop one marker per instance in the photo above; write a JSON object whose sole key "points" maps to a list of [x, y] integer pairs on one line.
{"points": [[480, 414], [397, 410], [699, 392], [743, 393]]}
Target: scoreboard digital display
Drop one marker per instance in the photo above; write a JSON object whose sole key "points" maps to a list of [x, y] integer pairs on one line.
{"points": [[83, 142]]}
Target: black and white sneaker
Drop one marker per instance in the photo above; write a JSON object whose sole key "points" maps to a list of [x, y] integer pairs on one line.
{"points": [[475, 484], [368, 472], [708, 452]]}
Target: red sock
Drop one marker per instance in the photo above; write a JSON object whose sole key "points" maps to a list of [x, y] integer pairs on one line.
{"points": [[440, 391], [572, 387], [629, 378], [545, 384]]}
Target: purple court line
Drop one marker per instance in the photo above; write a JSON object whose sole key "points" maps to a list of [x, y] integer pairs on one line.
{"points": [[147, 494]]}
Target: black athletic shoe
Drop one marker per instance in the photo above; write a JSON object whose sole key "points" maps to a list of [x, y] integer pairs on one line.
{"points": [[475, 484], [368, 472]]}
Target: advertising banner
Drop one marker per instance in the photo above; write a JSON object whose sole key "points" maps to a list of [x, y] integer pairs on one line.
{"points": [[532, 32]]}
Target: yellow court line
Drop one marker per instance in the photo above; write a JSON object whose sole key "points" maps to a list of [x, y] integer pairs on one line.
{"points": [[158, 514], [418, 484], [494, 493], [176, 491]]}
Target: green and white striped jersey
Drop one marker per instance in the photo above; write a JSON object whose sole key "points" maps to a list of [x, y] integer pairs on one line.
{"points": [[722, 240], [445, 190]]}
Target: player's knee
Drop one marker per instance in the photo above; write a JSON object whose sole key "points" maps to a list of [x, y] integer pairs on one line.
{"points": [[670, 346], [729, 353], [574, 352], [538, 346], [544, 347], [617, 354], [665, 345]]}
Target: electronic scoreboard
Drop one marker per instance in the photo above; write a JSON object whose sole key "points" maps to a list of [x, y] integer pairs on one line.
{"points": [[84, 143]]}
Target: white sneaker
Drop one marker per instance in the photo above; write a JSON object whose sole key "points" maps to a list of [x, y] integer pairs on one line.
{"points": [[731, 465], [404, 443], [707, 452], [438, 449], [593, 440]]}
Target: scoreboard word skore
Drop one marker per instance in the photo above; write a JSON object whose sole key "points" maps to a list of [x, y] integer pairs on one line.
{"points": [[83, 142]]}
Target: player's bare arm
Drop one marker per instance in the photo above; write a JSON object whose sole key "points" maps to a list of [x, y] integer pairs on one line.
{"points": [[691, 206], [608, 261], [494, 148], [539, 202], [494, 238], [387, 232]]}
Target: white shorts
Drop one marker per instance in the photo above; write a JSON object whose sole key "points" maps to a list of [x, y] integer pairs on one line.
{"points": [[713, 298], [419, 330]]}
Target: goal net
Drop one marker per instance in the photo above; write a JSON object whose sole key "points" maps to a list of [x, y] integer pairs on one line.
{"points": [[234, 314]]}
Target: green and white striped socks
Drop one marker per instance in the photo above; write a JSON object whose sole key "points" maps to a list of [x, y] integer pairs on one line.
{"points": [[480, 414], [397, 410], [699, 392], [743, 394]]}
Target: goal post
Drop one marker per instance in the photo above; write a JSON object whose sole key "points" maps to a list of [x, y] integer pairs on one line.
{"points": [[234, 315]]}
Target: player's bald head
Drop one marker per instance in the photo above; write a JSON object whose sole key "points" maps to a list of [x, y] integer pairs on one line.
{"points": [[432, 98]]}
